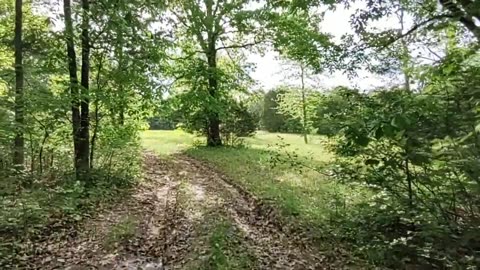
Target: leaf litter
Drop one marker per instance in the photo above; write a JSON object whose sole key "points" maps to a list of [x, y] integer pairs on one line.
{"points": [[167, 222]]}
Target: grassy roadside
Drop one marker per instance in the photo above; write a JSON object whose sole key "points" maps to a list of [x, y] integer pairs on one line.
{"points": [[304, 195]]}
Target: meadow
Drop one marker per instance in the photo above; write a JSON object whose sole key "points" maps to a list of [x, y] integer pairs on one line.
{"points": [[278, 168]]}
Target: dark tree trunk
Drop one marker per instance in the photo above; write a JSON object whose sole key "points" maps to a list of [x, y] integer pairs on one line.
{"points": [[80, 122], [74, 88], [95, 134], [19, 142], [213, 132], [40, 152], [121, 113], [84, 140]]}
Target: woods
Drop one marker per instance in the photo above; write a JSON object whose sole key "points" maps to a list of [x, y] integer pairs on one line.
{"points": [[350, 125]]}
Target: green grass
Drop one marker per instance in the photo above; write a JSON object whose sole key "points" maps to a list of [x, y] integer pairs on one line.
{"points": [[167, 142], [306, 195], [314, 149], [226, 249]]}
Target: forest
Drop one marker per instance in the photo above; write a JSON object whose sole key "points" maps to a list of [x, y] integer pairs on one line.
{"points": [[142, 134]]}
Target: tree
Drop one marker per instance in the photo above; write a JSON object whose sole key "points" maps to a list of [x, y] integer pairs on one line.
{"points": [[19, 147], [79, 93], [304, 104], [272, 120], [84, 136], [226, 26], [466, 12], [275, 119], [298, 100], [426, 20], [211, 24], [191, 102], [334, 108]]}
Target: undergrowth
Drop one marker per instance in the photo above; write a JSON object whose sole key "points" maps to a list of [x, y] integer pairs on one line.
{"points": [[34, 205], [227, 250], [46, 207]]}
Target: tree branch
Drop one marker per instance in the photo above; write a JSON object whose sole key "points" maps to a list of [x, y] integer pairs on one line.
{"points": [[239, 46], [419, 25]]}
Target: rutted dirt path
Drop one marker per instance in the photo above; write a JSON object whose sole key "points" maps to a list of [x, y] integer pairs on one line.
{"points": [[169, 223]]}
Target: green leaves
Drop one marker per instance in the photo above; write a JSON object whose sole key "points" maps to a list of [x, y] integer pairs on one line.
{"points": [[401, 122], [372, 162]]}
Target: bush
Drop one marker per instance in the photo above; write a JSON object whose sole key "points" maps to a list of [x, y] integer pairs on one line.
{"points": [[273, 120], [395, 142], [239, 122]]}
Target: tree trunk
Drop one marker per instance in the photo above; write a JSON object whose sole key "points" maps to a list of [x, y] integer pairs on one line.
{"points": [[40, 152], [74, 88], [213, 132], [95, 134], [79, 109], [304, 106], [84, 140], [96, 114], [405, 54], [409, 184], [19, 142]]}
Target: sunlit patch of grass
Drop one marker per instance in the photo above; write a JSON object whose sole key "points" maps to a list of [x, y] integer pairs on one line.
{"points": [[167, 142], [301, 193], [297, 193], [315, 148]]}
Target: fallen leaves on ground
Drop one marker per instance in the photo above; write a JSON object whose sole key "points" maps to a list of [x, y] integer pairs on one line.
{"points": [[167, 221]]}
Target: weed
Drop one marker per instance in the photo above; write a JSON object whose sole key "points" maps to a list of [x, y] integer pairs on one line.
{"points": [[122, 231], [227, 251]]}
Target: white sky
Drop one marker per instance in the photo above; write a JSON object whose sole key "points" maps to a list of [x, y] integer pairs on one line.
{"points": [[268, 72]]}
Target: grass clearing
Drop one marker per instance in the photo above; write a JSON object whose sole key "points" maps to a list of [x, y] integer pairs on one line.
{"points": [[167, 142], [306, 195], [315, 149]]}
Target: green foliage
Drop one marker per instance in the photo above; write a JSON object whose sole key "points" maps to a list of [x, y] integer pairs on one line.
{"points": [[333, 110], [161, 123], [400, 144], [404, 188], [50, 204], [192, 104], [120, 232], [273, 120], [226, 250], [238, 123], [299, 105]]}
